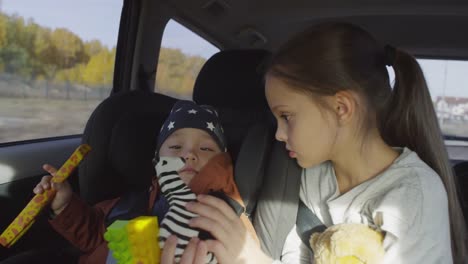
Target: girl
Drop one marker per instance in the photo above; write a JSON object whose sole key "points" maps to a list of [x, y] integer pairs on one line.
{"points": [[367, 150]]}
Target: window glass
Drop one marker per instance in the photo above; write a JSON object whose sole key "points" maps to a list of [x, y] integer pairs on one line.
{"points": [[56, 64], [182, 55], [448, 84]]}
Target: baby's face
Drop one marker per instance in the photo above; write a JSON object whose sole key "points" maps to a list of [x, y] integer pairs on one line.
{"points": [[196, 146]]}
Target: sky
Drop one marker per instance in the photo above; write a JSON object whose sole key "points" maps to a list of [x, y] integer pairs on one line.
{"points": [[99, 19]]}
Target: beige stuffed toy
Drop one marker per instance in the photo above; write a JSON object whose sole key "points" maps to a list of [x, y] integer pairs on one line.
{"points": [[348, 244]]}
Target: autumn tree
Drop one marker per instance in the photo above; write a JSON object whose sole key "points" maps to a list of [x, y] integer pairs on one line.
{"points": [[58, 55], [93, 47], [3, 31], [99, 70], [177, 72], [69, 48]]}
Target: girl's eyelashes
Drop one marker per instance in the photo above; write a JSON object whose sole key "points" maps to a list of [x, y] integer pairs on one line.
{"points": [[285, 116]]}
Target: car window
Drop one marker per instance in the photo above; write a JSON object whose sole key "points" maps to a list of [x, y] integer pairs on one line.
{"points": [[182, 55], [56, 64], [447, 81], [448, 84]]}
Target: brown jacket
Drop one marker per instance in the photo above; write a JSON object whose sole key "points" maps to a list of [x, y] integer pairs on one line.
{"points": [[84, 226]]}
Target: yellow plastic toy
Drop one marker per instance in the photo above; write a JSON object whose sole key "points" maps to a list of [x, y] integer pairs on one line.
{"points": [[134, 241], [27, 217], [348, 244]]}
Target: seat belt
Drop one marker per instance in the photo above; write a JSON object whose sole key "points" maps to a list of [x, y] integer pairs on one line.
{"points": [[307, 223], [129, 206]]}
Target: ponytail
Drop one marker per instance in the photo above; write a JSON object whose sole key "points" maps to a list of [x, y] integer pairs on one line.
{"points": [[410, 120]]}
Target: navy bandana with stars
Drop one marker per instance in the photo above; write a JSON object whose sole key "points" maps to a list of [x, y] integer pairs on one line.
{"points": [[187, 114]]}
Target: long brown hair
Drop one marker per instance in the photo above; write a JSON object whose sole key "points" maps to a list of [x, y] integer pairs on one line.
{"points": [[333, 57]]}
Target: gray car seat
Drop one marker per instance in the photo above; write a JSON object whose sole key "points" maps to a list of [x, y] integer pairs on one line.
{"points": [[277, 204], [267, 178], [232, 81]]}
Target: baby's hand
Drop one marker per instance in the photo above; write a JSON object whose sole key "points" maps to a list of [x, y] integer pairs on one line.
{"points": [[64, 192]]}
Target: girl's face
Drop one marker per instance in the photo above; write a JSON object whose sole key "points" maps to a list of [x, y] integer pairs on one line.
{"points": [[194, 145], [308, 130]]}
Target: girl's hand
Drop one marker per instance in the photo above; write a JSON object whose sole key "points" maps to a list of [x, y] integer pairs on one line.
{"points": [[195, 252], [233, 243], [64, 191]]}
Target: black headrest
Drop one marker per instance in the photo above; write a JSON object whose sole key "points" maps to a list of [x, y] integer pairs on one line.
{"points": [[122, 132], [232, 78], [232, 81], [461, 177]]}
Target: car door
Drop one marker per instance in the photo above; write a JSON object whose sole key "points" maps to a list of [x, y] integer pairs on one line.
{"points": [[56, 65]]}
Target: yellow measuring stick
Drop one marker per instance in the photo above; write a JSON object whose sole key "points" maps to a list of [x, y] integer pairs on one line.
{"points": [[26, 218]]}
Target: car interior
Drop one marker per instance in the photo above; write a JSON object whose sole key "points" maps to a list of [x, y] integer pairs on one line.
{"points": [[122, 130]]}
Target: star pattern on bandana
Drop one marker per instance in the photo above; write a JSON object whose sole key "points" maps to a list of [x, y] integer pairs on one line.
{"points": [[187, 114], [170, 126], [210, 126]]}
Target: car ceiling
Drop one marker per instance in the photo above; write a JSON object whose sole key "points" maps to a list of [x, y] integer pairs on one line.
{"points": [[427, 28]]}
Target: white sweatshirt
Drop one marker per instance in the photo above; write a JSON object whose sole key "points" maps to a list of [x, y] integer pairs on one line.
{"points": [[410, 196]]}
